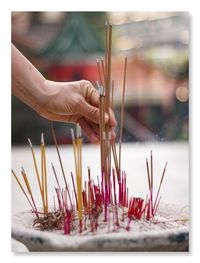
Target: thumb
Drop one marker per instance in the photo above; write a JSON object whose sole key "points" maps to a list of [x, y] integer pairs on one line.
{"points": [[92, 113]]}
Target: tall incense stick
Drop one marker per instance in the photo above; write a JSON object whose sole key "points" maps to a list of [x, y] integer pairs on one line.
{"points": [[60, 160], [122, 113], [58, 152], [44, 173], [161, 180], [77, 147], [151, 169]]}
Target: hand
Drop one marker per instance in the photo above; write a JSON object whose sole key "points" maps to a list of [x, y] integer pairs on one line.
{"points": [[76, 102]]}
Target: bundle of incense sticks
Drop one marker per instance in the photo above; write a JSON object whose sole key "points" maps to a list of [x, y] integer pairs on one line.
{"points": [[106, 94]]}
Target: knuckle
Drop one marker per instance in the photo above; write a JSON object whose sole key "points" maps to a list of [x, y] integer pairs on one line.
{"points": [[94, 112], [86, 82], [77, 101]]}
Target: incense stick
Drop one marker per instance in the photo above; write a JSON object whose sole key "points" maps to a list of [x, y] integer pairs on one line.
{"points": [[58, 152], [29, 190], [21, 187], [151, 169], [35, 165], [122, 113], [161, 180], [77, 147], [60, 160], [44, 172]]}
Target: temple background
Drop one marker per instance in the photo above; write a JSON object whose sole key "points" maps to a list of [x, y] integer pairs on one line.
{"points": [[65, 46]]}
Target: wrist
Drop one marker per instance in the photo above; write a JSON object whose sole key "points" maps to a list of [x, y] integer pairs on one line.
{"points": [[48, 91]]}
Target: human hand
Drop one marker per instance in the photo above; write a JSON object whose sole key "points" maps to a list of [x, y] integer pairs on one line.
{"points": [[75, 102]]}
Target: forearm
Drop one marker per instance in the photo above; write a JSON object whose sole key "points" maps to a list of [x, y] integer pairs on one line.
{"points": [[28, 84]]}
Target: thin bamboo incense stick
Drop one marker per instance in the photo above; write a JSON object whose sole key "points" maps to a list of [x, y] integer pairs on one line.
{"points": [[42, 172], [107, 146], [161, 180], [75, 194], [103, 70], [60, 160], [99, 71], [58, 152], [101, 123], [77, 147], [156, 208], [21, 187], [35, 165], [115, 157], [122, 113], [56, 177], [148, 175], [29, 190], [112, 94], [151, 169], [79, 176], [74, 149], [45, 174]]}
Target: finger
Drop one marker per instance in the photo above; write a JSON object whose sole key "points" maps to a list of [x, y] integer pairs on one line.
{"points": [[90, 112], [113, 135], [60, 117], [87, 129], [112, 120], [90, 93], [94, 126], [94, 98]]}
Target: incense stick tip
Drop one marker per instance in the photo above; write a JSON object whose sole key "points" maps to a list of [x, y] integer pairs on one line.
{"points": [[42, 138], [72, 134], [97, 82], [30, 143], [78, 131]]}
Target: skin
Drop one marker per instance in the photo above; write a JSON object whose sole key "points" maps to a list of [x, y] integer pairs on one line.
{"points": [[75, 102]]}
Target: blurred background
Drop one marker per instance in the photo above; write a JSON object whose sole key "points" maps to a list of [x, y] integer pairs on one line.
{"points": [[64, 47]]}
